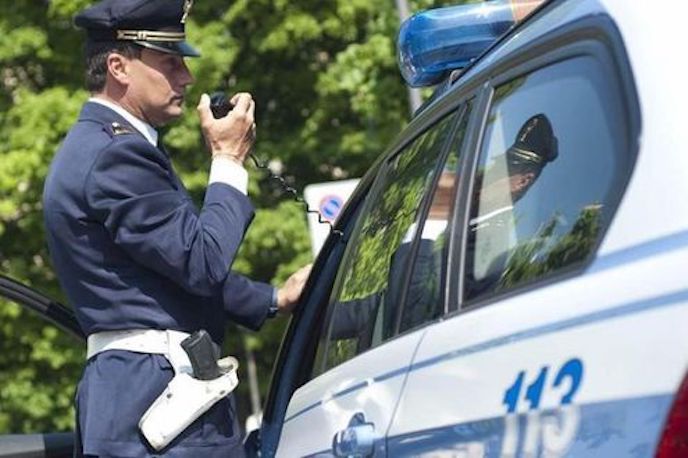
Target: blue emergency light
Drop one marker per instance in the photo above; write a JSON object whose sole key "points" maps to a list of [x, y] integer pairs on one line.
{"points": [[433, 42]]}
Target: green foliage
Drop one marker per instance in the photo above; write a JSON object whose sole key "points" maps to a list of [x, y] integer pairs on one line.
{"points": [[277, 244], [37, 383], [386, 225], [329, 98], [547, 252]]}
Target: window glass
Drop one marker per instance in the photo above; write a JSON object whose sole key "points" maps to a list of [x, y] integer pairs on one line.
{"points": [[549, 169], [363, 306], [424, 299]]}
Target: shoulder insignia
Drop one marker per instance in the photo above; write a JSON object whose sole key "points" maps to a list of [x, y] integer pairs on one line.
{"points": [[119, 129]]}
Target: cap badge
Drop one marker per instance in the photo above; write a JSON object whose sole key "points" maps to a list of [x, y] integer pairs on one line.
{"points": [[187, 7]]}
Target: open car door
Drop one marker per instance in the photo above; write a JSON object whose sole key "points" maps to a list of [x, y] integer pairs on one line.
{"points": [[56, 445]]}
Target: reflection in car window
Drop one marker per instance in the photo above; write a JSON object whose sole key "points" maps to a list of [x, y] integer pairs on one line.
{"points": [[366, 294], [549, 167], [424, 299]]}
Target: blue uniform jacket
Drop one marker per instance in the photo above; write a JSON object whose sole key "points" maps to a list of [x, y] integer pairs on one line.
{"points": [[131, 249]]}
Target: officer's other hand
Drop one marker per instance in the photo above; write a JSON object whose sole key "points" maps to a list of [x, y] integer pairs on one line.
{"points": [[232, 136], [288, 295]]}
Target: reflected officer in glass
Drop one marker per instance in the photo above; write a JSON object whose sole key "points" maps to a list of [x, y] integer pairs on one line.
{"points": [[502, 183], [499, 186], [352, 318], [373, 318], [140, 263]]}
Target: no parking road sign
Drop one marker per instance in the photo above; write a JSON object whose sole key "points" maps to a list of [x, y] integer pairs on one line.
{"points": [[329, 207], [327, 198]]}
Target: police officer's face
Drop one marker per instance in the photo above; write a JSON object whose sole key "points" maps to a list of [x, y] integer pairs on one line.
{"points": [[157, 86], [497, 187]]}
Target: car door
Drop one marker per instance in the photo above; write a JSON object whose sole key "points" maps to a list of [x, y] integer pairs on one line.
{"points": [[45, 444], [352, 371], [544, 353]]}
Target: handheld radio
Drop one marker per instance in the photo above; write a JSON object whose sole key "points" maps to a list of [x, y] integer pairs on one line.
{"points": [[220, 106]]}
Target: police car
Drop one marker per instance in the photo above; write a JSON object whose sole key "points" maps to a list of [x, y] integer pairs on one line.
{"points": [[508, 279]]}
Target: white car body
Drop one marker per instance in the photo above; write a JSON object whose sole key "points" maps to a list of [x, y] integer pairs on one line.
{"points": [[607, 345]]}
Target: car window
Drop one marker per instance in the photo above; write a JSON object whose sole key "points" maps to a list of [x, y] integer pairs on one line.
{"points": [[424, 299], [551, 164], [365, 298]]}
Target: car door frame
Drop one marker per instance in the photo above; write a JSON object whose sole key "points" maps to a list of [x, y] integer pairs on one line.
{"points": [[47, 444], [49, 309], [290, 369]]}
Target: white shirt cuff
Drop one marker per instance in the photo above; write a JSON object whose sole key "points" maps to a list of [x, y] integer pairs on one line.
{"points": [[225, 170]]}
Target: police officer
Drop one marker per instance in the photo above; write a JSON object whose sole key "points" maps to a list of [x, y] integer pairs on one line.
{"points": [[141, 264], [498, 189]]}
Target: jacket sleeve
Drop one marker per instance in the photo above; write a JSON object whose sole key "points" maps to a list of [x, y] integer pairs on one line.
{"points": [[353, 319], [133, 191], [246, 302]]}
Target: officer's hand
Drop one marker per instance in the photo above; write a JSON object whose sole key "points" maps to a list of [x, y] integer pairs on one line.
{"points": [[232, 136], [289, 294]]}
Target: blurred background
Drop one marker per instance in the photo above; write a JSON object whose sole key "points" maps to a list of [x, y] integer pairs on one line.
{"points": [[329, 99]]}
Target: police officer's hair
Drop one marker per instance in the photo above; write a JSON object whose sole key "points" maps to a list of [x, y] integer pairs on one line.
{"points": [[96, 60]]}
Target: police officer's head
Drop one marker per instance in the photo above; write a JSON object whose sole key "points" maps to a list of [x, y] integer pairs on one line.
{"points": [[135, 53], [535, 146]]}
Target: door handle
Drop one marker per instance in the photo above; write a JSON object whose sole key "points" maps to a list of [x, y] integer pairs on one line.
{"points": [[357, 440]]}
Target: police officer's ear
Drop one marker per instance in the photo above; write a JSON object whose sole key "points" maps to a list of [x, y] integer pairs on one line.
{"points": [[118, 68]]}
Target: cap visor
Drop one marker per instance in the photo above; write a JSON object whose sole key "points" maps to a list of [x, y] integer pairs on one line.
{"points": [[181, 48]]}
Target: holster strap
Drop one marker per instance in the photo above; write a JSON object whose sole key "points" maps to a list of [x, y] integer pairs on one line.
{"points": [[152, 341], [184, 398]]}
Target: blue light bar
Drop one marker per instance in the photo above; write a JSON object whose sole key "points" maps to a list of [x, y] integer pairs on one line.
{"points": [[433, 42]]}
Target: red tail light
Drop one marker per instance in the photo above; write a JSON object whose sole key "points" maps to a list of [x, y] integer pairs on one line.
{"points": [[674, 443]]}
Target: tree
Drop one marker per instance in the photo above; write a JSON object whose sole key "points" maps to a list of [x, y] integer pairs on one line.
{"points": [[329, 99]]}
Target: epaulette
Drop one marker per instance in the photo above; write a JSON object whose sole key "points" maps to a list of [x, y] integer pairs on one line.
{"points": [[115, 128]]}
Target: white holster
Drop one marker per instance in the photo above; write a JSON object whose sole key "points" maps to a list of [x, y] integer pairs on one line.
{"points": [[185, 398]]}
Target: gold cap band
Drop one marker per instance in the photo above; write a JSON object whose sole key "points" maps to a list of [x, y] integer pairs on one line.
{"points": [[150, 35], [528, 156]]}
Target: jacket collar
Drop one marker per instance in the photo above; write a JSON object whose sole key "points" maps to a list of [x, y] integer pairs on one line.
{"points": [[94, 111]]}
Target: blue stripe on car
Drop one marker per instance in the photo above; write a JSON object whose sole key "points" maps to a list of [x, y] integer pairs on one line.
{"points": [[662, 245], [626, 427]]}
